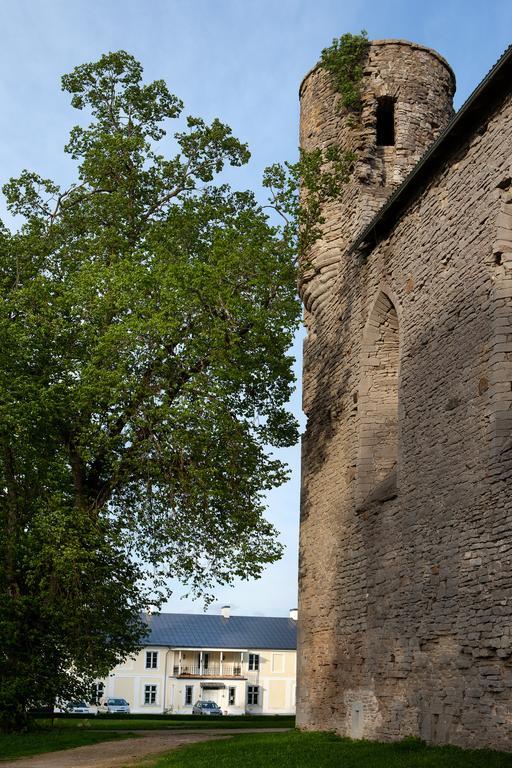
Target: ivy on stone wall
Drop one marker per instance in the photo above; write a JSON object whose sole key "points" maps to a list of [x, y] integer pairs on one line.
{"points": [[344, 60], [299, 192]]}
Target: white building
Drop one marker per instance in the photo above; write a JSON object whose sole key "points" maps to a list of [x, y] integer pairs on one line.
{"points": [[246, 664]]}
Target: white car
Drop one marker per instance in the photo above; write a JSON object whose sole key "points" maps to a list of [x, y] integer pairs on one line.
{"points": [[78, 708], [206, 708], [115, 706]]}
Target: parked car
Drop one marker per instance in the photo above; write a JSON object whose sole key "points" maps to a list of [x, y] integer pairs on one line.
{"points": [[206, 708], [114, 706], [78, 708]]}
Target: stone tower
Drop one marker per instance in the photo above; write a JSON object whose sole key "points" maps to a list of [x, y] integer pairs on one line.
{"points": [[405, 87], [405, 597], [407, 93]]}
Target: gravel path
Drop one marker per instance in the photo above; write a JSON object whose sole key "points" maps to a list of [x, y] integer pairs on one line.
{"points": [[126, 752]]}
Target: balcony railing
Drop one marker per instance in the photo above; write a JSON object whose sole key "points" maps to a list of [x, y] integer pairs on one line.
{"points": [[212, 670]]}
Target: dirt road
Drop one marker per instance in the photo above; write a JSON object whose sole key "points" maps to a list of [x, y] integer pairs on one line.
{"points": [[126, 752]]}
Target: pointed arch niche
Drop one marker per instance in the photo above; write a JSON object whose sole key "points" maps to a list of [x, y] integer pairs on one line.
{"points": [[378, 403]]}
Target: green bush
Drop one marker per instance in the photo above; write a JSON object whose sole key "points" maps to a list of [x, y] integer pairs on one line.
{"points": [[344, 59]]}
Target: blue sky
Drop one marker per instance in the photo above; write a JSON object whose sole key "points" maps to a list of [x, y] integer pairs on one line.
{"points": [[241, 61]]}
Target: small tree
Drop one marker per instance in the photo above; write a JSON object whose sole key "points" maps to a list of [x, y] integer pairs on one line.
{"points": [[146, 314]]}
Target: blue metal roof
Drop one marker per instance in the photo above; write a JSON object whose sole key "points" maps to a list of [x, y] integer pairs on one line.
{"points": [[186, 630]]}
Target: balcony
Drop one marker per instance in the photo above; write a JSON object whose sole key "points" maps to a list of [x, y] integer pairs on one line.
{"points": [[210, 670]]}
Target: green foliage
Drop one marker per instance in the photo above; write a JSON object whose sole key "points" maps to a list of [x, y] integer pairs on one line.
{"points": [[171, 722], [42, 741], [299, 191], [344, 60], [325, 750], [146, 314]]}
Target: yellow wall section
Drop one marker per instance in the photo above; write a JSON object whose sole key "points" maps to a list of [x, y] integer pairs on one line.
{"points": [[277, 694], [291, 664], [124, 689]]}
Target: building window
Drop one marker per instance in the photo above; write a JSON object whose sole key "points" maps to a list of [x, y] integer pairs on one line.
{"points": [[252, 694], [206, 660], [150, 694], [97, 691], [254, 662], [231, 696], [151, 659], [189, 694], [386, 121]]}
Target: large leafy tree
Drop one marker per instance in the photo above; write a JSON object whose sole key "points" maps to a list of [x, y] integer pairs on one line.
{"points": [[145, 316]]}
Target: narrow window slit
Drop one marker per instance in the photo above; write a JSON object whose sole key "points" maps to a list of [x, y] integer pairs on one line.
{"points": [[386, 121]]}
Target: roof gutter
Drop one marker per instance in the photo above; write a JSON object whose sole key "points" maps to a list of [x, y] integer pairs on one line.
{"points": [[494, 84]]}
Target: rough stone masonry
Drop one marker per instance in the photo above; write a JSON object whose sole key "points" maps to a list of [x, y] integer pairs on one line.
{"points": [[406, 529]]}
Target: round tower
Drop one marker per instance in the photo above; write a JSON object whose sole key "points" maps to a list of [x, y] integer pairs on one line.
{"points": [[406, 94]]}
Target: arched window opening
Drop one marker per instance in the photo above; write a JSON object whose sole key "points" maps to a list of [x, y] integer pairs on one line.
{"points": [[386, 121], [378, 436]]}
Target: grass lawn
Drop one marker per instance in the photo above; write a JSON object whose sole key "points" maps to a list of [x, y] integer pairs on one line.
{"points": [[174, 722], [37, 742], [324, 750]]}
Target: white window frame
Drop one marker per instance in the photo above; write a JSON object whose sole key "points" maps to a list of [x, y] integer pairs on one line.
{"points": [[278, 657], [231, 696], [253, 695], [189, 688], [97, 692], [150, 694], [151, 659], [254, 662]]}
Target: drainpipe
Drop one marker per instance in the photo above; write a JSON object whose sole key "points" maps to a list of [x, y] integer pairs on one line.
{"points": [[165, 680]]}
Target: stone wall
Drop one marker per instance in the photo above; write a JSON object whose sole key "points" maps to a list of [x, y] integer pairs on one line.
{"points": [[422, 85], [406, 540]]}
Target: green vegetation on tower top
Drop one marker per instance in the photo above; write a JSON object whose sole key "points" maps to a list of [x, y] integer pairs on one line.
{"points": [[344, 60]]}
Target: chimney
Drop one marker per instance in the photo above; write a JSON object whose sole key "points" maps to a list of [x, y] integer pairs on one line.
{"points": [[294, 614], [225, 611]]}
